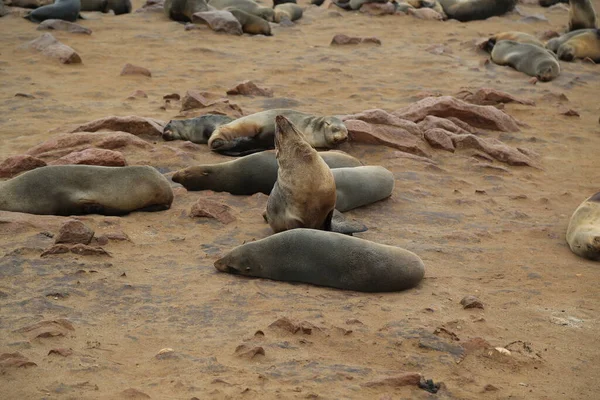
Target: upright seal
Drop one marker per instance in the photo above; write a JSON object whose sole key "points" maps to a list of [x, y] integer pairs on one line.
{"points": [[67, 10]]}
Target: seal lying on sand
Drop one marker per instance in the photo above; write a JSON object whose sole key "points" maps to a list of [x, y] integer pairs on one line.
{"points": [[67, 10], [584, 43], [359, 186], [471, 10], [86, 189], [196, 130], [256, 132], [518, 37], [304, 193], [117, 6], [581, 15], [583, 233], [251, 24], [326, 259], [289, 11], [527, 58], [183, 10], [249, 6]]}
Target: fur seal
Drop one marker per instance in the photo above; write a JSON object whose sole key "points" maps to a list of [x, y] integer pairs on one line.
{"points": [[251, 24], [550, 3], [304, 194], [583, 43], [196, 130], [249, 6], [472, 10], [581, 15], [255, 173], [183, 10], [527, 58], [518, 37], [359, 186], [67, 10], [583, 233], [278, 2], [119, 7], [326, 259], [86, 189], [289, 11], [355, 4], [256, 132]]}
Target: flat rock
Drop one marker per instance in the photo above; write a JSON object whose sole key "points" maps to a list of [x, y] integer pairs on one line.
{"points": [[340, 39], [471, 302], [61, 351], [13, 166], [495, 148], [60, 25], [48, 328], [387, 135], [439, 139], [484, 117], [249, 88], [211, 209], [132, 124], [49, 46], [15, 360], [219, 21], [194, 100], [433, 122], [130, 69], [246, 351], [74, 231], [13, 222], [489, 96], [406, 379], [84, 250], [381, 117], [93, 156]]}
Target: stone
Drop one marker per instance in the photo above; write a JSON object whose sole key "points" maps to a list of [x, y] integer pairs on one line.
{"points": [[569, 112], [219, 21], [157, 6], [471, 302], [13, 166], [15, 360], [48, 329], [12, 223], [133, 394], [61, 352], [60, 25], [439, 139], [194, 99], [249, 88], [495, 148], [223, 107], [484, 117], [56, 249], [130, 69], [475, 344], [83, 250], [340, 39], [406, 379], [381, 117], [132, 124], [49, 46], [433, 122], [211, 209], [249, 352], [74, 231], [138, 94], [387, 135], [432, 342], [425, 13], [285, 324], [102, 157], [489, 96], [377, 9]]}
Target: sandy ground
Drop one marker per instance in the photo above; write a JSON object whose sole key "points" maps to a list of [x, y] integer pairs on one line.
{"points": [[504, 243]]}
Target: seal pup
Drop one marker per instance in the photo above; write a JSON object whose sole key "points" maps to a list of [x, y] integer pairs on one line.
{"points": [[304, 194], [289, 11], [583, 233], [472, 10], [256, 132], [326, 259], [67, 10], [583, 43], [249, 6], [86, 189], [581, 15], [196, 130], [527, 58], [250, 23], [518, 37], [183, 10], [255, 173]]}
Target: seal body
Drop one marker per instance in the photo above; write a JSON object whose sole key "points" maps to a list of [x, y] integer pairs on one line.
{"points": [[359, 186], [117, 6], [86, 189], [67, 10], [471, 10], [248, 6], [518, 37], [549, 3], [527, 58], [583, 43], [256, 132], [581, 15], [583, 233], [289, 11], [251, 24], [196, 130], [183, 10], [304, 194], [255, 173], [326, 259]]}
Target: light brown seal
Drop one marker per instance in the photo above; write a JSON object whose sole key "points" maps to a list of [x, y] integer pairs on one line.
{"points": [[251, 24], [249, 6], [583, 233], [527, 58], [289, 11], [581, 15], [304, 193], [326, 259], [86, 189], [515, 36], [582, 44]]}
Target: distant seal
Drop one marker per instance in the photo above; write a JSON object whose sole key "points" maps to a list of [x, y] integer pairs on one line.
{"points": [[289, 11], [183, 10], [256, 132], [249, 6], [304, 193], [326, 259], [196, 130], [583, 43], [518, 37], [277, 2], [472, 10], [67, 10], [583, 233], [86, 189], [354, 4], [251, 24], [550, 3], [119, 7], [255, 173], [359, 186], [527, 58], [581, 15]]}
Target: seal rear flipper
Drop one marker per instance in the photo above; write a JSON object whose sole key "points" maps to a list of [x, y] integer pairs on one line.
{"points": [[341, 224], [243, 146]]}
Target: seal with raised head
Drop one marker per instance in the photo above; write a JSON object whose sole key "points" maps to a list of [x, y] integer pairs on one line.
{"points": [[581, 15], [256, 132], [287, 11], [249, 6], [584, 43], [183, 10], [86, 189], [255, 173], [527, 58], [67, 10], [472, 10], [326, 259], [518, 37], [583, 233], [119, 7], [251, 24], [304, 194], [196, 130]]}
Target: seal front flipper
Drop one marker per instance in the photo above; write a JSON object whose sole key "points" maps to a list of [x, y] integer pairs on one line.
{"points": [[341, 224], [241, 146]]}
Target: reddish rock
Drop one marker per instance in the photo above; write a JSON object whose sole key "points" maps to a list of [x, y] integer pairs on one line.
{"points": [[381, 117], [212, 209], [406, 379], [475, 344], [569, 112], [130, 69], [48, 328], [387, 135], [439, 139], [249, 88], [15, 165], [285, 324], [132, 124], [102, 157], [152, 6], [425, 13], [117, 236], [15, 360], [61, 352], [461, 124], [222, 108], [485, 117], [138, 94], [172, 96], [489, 96], [371, 40], [60, 25], [12, 223], [341, 39], [50, 47], [84, 250], [494, 148], [194, 99], [433, 122], [74, 231], [219, 21], [471, 302], [377, 9], [56, 249], [249, 352]]}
